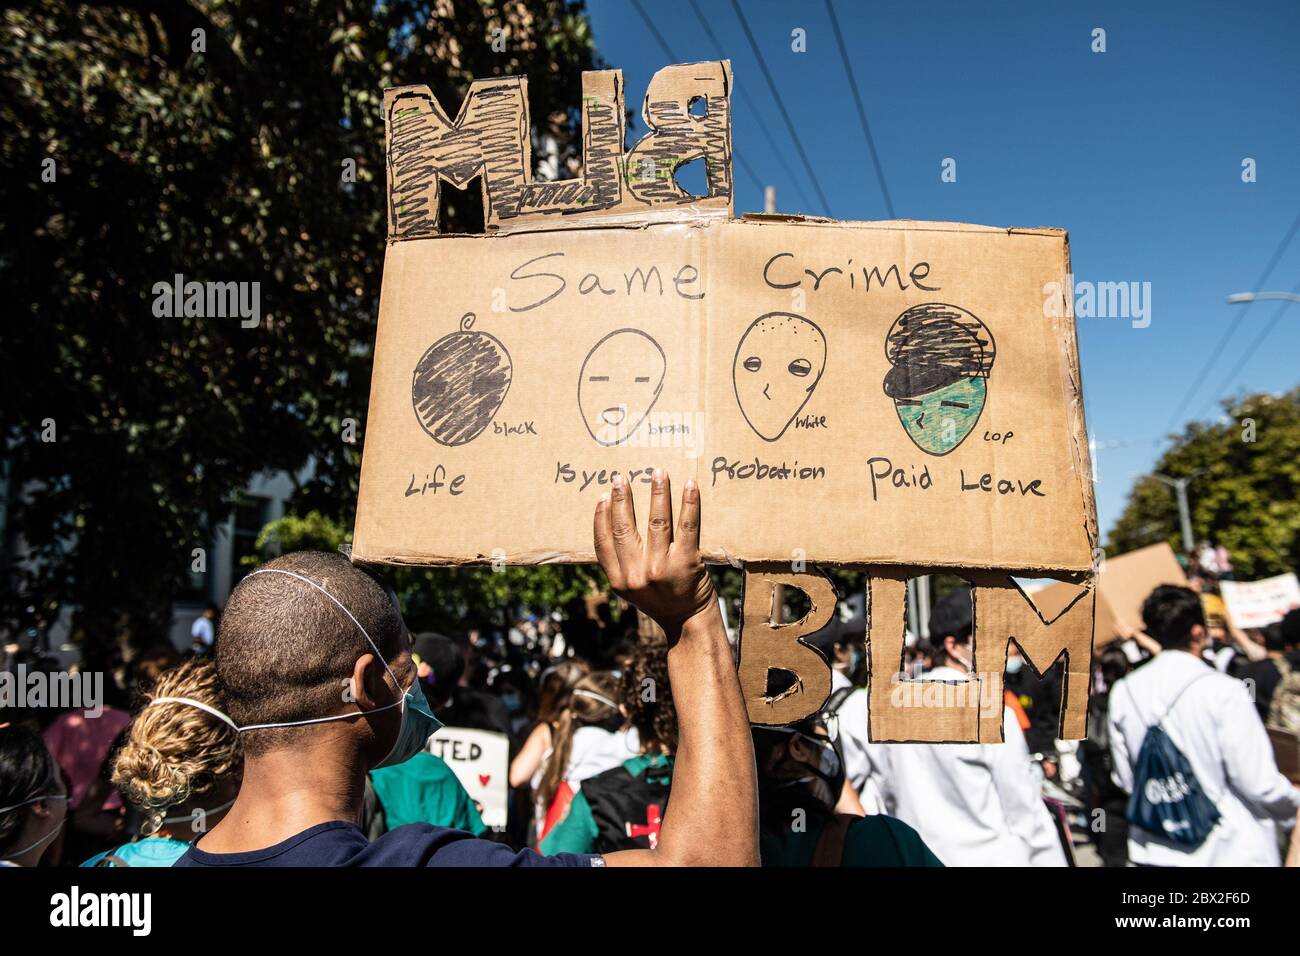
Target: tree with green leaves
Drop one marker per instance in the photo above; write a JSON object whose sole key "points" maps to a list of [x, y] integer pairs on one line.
{"points": [[221, 141], [1244, 491]]}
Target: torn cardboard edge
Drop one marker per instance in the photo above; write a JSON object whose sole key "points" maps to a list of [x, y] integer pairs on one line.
{"points": [[687, 109], [729, 256], [900, 709]]}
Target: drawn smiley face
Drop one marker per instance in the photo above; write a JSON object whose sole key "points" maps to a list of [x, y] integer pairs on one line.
{"points": [[778, 363], [619, 384]]}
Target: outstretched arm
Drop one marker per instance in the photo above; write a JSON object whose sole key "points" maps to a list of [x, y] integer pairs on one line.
{"points": [[712, 817]]}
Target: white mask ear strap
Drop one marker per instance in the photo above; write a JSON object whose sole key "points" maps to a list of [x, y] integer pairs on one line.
{"points": [[42, 797], [339, 604], [191, 702]]}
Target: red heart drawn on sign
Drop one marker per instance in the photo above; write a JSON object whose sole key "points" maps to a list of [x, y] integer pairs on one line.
{"points": [[483, 779]]}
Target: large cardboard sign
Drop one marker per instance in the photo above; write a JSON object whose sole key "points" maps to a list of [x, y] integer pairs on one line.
{"points": [[1122, 584], [1260, 603], [900, 395], [480, 759]]}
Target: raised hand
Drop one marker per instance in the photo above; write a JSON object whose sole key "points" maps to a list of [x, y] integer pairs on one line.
{"points": [[663, 575]]}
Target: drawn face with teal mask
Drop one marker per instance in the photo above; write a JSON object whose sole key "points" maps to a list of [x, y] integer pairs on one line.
{"points": [[940, 358], [938, 421]]}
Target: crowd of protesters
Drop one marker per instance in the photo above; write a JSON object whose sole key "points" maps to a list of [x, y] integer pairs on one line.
{"points": [[294, 731]]}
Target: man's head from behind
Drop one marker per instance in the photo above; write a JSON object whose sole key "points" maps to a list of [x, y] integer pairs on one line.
{"points": [[286, 652], [1175, 618], [439, 663], [952, 622]]}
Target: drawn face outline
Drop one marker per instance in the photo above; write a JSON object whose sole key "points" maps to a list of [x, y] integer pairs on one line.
{"points": [[619, 384], [779, 361], [938, 421]]}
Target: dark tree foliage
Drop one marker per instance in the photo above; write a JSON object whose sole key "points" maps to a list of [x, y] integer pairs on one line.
{"points": [[209, 140], [1244, 492]]}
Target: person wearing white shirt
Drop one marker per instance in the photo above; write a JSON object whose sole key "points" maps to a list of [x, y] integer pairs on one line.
{"points": [[203, 630], [1210, 718], [973, 804], [840, 643]]}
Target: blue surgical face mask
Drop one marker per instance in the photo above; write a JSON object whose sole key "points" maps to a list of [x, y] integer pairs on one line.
{"points": [[418, 723], [1014, 664]]}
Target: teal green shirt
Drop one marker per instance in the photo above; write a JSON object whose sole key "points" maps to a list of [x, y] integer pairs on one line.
{"points": [[424, 790], [149, 851], [871, 841]]}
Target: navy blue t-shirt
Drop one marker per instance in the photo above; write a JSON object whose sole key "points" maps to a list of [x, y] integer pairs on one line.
{"points": [[416, 844]]}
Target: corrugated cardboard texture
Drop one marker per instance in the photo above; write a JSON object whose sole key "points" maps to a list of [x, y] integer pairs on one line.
{"points": [[503, 363], [687, 109], [904, 395], [766, 645]]}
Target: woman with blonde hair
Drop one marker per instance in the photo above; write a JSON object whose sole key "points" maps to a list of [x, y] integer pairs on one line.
{"points": [[180, 766]]}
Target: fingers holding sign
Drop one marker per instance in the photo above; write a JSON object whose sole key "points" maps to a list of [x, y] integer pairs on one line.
{"points": [[663, 574]]}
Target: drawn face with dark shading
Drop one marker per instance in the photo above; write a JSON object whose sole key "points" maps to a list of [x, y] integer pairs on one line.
{"points": [[778, 363], [619, 384], [941, 356]]}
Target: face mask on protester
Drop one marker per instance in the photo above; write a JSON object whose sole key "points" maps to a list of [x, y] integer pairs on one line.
{"points": [[826, 779], [45, 839], [418, 723], [1014, 664]]}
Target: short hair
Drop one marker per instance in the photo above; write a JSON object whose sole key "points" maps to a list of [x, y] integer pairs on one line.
{"points": [[27, 770], [284, 650], [1290, 627], [1170, 612], [952, 616], [1274, 639], [445, 659]]}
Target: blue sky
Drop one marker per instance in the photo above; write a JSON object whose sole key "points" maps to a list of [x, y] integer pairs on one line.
{"points": [[1136, 151]]}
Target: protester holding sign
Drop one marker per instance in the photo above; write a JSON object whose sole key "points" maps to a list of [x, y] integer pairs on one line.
{"points": [[308, 747]]}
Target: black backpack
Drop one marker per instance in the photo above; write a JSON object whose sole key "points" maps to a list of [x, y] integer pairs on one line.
{"points": [[629, 808]]}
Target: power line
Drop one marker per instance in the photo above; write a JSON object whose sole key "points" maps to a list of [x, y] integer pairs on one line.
{"points": [[862, 112], [1195, 385], [1253, 347], [753, 108], [780, 105], [673, 58]]}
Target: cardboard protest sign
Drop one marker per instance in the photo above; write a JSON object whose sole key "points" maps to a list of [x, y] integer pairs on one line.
{"points": [[480, 759], [898, 395], [1260, 603], [1123, 583]]}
